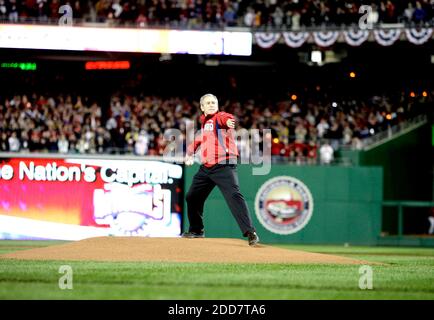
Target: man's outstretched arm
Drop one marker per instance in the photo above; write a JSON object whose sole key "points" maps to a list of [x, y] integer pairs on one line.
{"points": [[226, 120]]}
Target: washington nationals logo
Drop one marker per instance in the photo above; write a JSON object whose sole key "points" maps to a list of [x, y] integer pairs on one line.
{"points": [[284, 205], [209, 126]]}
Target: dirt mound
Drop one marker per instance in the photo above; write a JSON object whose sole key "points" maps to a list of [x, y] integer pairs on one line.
{"points": [[173, 250]]}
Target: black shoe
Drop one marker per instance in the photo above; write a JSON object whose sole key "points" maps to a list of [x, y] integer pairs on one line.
{"points": [[253, 238], [193, 235]]}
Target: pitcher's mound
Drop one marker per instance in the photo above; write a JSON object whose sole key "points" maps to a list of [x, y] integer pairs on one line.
{"points": [[173, 250]]}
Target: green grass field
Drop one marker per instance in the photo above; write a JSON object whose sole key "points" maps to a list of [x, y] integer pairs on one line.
{"points": [[408, 273]]}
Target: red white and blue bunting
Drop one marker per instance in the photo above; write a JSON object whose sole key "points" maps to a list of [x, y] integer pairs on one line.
{"points": [[384, 37], [418, 36], [266, 40], [356, 37], [325, 38], [295, 39]]}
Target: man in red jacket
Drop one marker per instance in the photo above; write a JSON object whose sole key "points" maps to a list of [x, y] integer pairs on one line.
{"points": [[219, 157]]}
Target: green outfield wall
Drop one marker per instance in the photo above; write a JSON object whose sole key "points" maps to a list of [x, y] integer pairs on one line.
{"points": [[346, 204], [407, 175]]}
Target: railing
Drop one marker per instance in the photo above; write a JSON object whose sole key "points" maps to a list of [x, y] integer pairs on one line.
{"points": [[401, 205], [391, 132], [368, 143]]}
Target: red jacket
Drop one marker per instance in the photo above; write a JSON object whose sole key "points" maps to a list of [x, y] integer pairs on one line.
{"points": [[216, 139]]}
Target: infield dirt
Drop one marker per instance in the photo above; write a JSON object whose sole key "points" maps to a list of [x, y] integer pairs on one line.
{"points": [[209, 250]]}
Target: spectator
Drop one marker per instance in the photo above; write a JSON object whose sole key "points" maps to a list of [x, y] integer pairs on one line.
{"points": [[322, 127], [312, 153], [142, 144], [300, 133], [42, 9], [326, 153], [54, 9], [63, 144], [373, 16], [14, 143], [295, 20], [277, 17], [3, 9], [408, 12], [13, 11], [249, 17], [419, 14], [335, 135], [4, 142], [230, 16], [390, 12]]}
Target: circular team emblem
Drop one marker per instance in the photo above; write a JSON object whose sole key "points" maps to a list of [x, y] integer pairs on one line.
{"points": [[284, 205]]}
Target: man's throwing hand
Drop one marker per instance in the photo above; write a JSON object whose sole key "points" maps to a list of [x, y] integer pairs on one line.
{"points": [[230, 123], [189, 160]]}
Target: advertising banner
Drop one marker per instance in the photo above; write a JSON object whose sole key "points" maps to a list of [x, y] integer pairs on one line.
{"points": [[73, 199]]}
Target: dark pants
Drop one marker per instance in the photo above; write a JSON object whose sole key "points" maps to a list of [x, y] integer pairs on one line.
{"points": [[226, 178]]}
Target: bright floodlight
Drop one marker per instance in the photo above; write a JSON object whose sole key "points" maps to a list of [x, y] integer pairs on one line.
{"points": [[316, 56]]}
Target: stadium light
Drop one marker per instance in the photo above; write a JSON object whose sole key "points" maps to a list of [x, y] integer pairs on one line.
{"points": [[316, 56], [352, 74], [425, 94]]}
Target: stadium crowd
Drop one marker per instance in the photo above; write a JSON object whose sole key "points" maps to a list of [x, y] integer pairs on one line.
{"points": [[220, 13], [300, 130]]}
